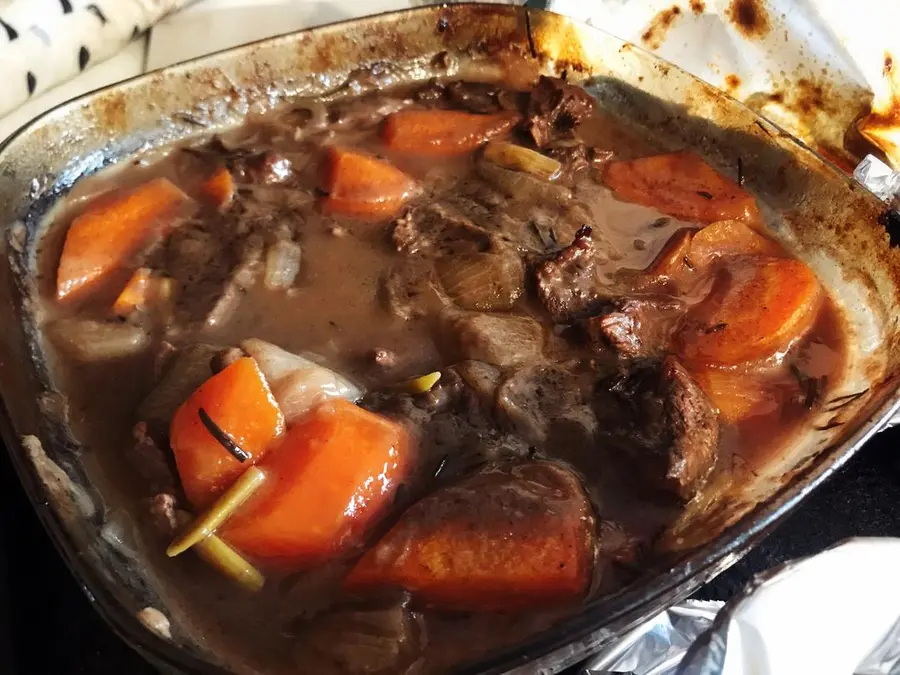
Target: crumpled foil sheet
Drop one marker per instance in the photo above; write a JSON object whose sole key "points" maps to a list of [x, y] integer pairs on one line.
{"points": [[878, 177], [658, 646], [836, 613]]}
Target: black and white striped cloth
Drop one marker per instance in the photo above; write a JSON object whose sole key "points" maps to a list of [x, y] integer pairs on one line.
{"points": [[46, 42]]}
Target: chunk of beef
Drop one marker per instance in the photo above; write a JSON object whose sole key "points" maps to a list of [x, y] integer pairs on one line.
{"points": [[635, 327], [502, 340], [549, 408], [411, 290], [572, 285], [190, 367], [512, 536], [263, 167], [150, 461], [556, 108], [436, 229], [658, 419], [432, 92], [502, 219], [476, 97], [211, 267], [618, 545], [163, 511], [365, 638], [453, 423], [365, 112], [576, 156]]}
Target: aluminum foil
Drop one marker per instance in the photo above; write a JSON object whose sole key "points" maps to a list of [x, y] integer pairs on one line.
{"points": [[836, 613]]}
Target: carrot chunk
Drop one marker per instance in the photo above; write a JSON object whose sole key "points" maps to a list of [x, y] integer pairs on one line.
{"points": [[331, 477], [109, 234], [737, 395], [364, 186], [443, 132], [682, 185], [239, 401], [218, 189], [134, 295], [727, 238], [755, 309], [504, 539]]}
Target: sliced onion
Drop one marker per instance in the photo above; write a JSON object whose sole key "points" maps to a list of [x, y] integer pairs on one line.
{"points": [[89, 340], [483, 281], [518, 158], [297, 383], [519, 185], [282, 265]]}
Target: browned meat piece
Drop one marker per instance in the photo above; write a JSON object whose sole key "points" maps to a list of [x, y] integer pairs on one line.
{"points": [[211, 266], [454, 422], [572, 285], [549, 408], [636, 327], [432, 92], [556, 108], [618, 545], [151, 462], [502, 340], [411, 290], [435, 229], [263, 167], [658, 419], [371, 638], [190, 368], [576, 156], [386, 359], [164, 514], [476, 97], [482, 378]]}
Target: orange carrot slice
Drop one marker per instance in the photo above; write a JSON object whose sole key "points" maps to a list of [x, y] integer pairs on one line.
{"points": [[331, 477], [218, 189], [364, 186], [755, 309], [134, 295], [443, 132], [504, 539], [110, 233], [737, 395], [682, 185], [239, 401], [730, 238]]}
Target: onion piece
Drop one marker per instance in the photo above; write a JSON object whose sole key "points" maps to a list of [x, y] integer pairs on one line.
{"points": [[517, 185], [297, 383], [485, 282], [282, 265], [89, 340], [518, 158]]}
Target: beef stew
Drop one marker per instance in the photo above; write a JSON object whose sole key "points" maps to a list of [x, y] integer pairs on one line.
{"points": [[483, 345]]}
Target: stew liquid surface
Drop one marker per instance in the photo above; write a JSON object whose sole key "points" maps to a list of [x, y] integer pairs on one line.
{"points": [[384, 384]]}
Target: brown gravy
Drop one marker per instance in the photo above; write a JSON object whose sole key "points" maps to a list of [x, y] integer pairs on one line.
{"points": [[335, 310]]}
